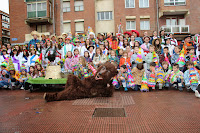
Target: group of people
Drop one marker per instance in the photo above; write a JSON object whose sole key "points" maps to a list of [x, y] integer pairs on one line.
{"points": [[144, 63]]}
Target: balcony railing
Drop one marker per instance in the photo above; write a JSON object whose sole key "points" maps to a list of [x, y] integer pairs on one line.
{"points": [[174, 2], [176, 28]]}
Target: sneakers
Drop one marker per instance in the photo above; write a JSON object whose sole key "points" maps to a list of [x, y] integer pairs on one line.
{"points": [[125, 89], [5, 86], [22, 88], [197, 94]]}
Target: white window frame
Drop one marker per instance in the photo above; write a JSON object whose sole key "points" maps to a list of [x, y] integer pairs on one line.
{"points": [[79, 7], [83, 27], [143, 28], [68, 9], [130, 24], [99, 14], [166, 2], [171, 18], [129, 4], [143, 4], [37, 8]]}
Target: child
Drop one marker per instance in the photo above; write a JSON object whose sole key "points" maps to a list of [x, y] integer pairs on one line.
{"points": [[91, 52], [191, 56], [87, 57], [178, 58], [129, 51], [122, 77], [39, 70], [13, 74], [69, 62], [5, 81], [82, 69], [167, 73], [67, 47], [137, 57], [156, 43], [165, 56], [32, 58], [138, 72], [38, 49], [23, 77], [3, 56], [151, 57], [113, 57], [176, 77], [99, 58], [104, 51], [58, 53], [168, 44], [191, 77], [32, 72], [175, 56], [154, 75], [16, 59], [120, 51], [124, 60]]}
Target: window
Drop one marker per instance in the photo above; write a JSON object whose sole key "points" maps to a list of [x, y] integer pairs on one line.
{"points": [[145, 25], [174, 2], [79, 27], [66, 6], [130, 25], [67, 27], [5, 25], [129, 3], [41, 28], [36, 10], [104, 15], [78, 6], [171, 21], [144, 3]]}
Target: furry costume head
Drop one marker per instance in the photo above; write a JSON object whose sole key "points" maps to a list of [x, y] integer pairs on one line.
{"points": [[106, 72]]}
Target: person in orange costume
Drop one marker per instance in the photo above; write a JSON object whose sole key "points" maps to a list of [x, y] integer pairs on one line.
{"points": [[124, 60]]}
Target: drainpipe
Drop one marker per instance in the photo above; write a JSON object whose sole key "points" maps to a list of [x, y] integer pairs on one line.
{"points": [[157, 7], [54, 26], [61, 17]]}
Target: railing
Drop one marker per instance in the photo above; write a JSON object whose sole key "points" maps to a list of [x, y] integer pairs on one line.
{"points": [[174, 3], [176, 28]]}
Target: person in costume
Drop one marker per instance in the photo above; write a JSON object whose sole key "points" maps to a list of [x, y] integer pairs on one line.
{"points": [[136, 34], [3, 66], [151, 57], [4, 55], [132, 41], [125, 44], [43, 39], [69, 62], [53, 39], [32, 72], [23, 77], [154, 36], [176, 78], [104, 50], [40, 70], [32, 58], [137, 57], [114, 58], [168, 44], [99, 58], [157, 44], [67, 47], [87, 57], [191, 77], [19, 50], [35, 40], [47, 50], [110, 38], [187, 43], [76, 55], [38, 49], [167, 72], [92, 37], [101, 38], [191, 55], [145, 47], [114, 44], [175, 56], [91, 52], [129, 51], [83, 48], [120, 41], [16, 59], [61, 40], [25, 57], [97, 43], [120, 51], [127, 35], [124, 60], [58, 53], [162, 36], [173, 40], [138, 73], [165, 56], [77, 45], [5, 81], [106, 44], [9, 50]]}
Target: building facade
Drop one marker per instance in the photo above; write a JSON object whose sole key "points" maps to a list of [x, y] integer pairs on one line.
{"points": [[57, 16], [4, 28]]}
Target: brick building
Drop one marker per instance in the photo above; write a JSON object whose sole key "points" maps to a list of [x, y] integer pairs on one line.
{"points": [[58, 16], [4, 28]]}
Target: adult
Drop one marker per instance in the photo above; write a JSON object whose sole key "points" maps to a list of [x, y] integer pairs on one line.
{"points": [[173, 40], [154, 36], [145, 45], [67, 47], [136, 34], [61, 40], [162, 36], [35, 40]]}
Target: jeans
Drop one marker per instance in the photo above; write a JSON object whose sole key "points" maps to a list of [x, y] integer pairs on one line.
{"points": [[2, 83]]}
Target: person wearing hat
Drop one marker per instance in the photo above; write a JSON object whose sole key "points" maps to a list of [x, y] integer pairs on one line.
{"points": [[77, 45], [127, 35], [34, 40], [64, 35], [136, 34], [5, 81], [91, 51], [67, 47], [23, 77], [4, 55], [188, 42], [61, 40]]}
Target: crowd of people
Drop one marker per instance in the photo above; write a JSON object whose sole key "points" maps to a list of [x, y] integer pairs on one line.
{"points": [[144, 63]]}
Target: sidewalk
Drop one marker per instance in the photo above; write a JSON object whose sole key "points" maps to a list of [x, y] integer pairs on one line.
{"points": [[160, 111]]}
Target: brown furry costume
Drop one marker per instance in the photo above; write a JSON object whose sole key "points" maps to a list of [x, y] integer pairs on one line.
{"points": [[94, 86]]}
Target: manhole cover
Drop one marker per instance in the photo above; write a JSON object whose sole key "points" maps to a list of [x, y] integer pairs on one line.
{"points": [[109, 112]]}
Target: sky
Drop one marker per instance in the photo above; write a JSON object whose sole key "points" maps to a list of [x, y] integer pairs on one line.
{"points": [[4, 6]]}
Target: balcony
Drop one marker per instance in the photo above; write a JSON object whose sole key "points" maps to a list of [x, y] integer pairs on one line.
{"points": [[176, 28], [28, 37]]}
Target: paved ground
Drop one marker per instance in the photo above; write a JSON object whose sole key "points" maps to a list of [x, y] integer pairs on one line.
{"points": [[160, 111]]}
